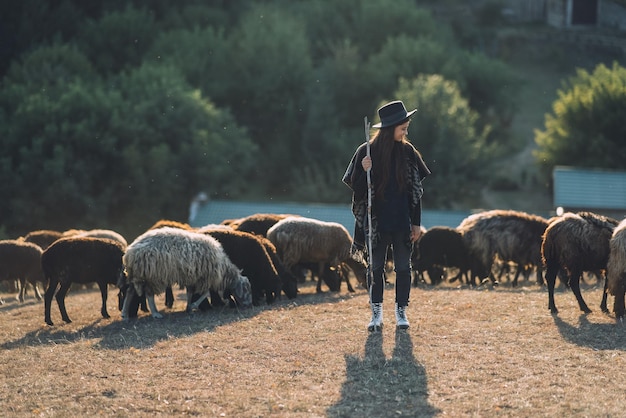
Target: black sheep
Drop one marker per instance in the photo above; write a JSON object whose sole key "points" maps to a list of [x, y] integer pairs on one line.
{"points": [[288, 280], [80, 260], [247, 252], [439, 247]]}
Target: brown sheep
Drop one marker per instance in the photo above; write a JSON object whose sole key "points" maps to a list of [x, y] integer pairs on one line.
{"points": [[21, 260]]}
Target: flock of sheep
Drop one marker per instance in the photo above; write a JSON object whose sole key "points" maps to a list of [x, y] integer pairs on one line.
{"points": [[260, 257], [240, 262], [564, 246]]}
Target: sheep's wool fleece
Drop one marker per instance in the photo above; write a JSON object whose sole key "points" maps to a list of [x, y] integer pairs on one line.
{"points": [[167, 256], [300, 239]]}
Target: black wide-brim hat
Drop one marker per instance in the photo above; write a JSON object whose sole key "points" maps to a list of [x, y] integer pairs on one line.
{"points": [[392, 114]]}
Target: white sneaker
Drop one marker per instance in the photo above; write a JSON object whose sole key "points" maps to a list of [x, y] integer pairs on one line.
{"points": [[376, 324], [401, 321]]}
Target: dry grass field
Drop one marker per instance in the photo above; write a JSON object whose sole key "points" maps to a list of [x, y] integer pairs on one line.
{"points": [[469, 352]]}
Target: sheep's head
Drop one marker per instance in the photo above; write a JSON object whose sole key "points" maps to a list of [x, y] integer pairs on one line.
{"points": [[242, 292]]}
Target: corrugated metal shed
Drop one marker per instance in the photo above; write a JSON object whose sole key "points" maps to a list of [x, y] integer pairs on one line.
{"points": [[215, 211], [590, 189]]}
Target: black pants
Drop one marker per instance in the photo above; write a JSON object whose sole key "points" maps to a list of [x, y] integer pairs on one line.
{"points": [[400, 244]]}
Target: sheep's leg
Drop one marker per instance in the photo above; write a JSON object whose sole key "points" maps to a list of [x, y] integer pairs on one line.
{"points": [[551, 272], [345, 271], [37, 292], [130, 293], [48, 295], [540, 280], [60, 297], [603, 306], [152, 305], [22, 291], [169, 297], [104, 294], [517, 273], [193, 306], [320, 274], [574, 284], [618, 304]]}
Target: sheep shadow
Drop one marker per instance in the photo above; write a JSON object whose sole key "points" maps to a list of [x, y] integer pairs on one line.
{"points": [[595, 336], [377, 386], [145, 332], [140, 333]]}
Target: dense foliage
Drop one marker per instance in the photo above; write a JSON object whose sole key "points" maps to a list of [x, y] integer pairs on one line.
{"points": [[586, 127], [115, 113]]}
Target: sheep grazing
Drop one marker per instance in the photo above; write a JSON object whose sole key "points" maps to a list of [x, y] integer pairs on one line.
{"points": [[511, 235], [616, 269], [437, 248], [248, 253], [259, 223], [80, 260], [169, 293], [305, 240], [166, 256], [21, 260], [575, 243]]}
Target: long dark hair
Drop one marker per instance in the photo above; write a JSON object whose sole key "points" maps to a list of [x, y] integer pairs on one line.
{"points": [[384, 149]]}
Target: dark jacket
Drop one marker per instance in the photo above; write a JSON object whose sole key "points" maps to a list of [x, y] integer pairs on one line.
{"points": [[356, 179]]}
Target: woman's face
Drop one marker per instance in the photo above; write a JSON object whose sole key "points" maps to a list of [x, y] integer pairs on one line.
{"points": [[401, 131]]}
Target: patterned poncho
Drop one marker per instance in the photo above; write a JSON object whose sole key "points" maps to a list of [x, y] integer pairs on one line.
{"points": [[356, 179]]}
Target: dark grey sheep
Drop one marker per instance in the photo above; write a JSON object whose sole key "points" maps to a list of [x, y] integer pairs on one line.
{"points": [[80, 260], [616, 269], [21, 260], [511, 235], [575, 243]]}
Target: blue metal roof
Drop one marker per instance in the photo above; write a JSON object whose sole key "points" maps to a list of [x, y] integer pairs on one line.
{"points": [[216, 211], [589, 188]]}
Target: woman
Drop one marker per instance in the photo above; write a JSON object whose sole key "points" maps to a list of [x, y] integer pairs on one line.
{"points": [[397, 171]]}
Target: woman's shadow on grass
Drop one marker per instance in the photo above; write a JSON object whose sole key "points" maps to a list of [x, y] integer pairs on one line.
{"points": [[376, 386]]}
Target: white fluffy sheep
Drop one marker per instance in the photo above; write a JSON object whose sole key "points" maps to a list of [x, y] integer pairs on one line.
{"points": [[166, 256], [616, 269], [305, 240]]}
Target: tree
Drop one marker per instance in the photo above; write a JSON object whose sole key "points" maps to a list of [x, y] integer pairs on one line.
{"points": [[120, 153], [586, 127], [446, 132]]}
